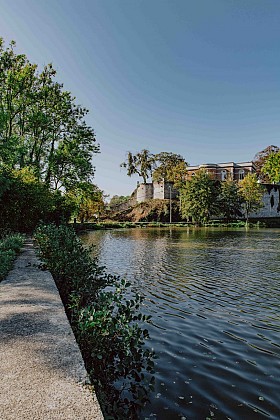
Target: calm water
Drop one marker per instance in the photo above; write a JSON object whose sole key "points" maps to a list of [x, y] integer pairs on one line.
{"points": [[215, 301]]}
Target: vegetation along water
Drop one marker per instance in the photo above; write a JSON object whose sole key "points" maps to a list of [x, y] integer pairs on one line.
{"points": [[214, 299]]}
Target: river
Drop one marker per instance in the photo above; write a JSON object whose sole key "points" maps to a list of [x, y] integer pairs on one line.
{"points": [[215, 303]]}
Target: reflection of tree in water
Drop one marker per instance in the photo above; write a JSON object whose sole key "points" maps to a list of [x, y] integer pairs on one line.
{"points": [[212, 294]]}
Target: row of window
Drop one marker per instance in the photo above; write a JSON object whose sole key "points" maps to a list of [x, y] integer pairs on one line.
{"points": [[241, 174]]}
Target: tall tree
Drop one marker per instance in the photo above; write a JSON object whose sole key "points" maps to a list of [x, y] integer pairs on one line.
{"points": [[229, 200], [271, 168], [166, 162], [260, 159], [40, 125], [251, 193], [199, 197], [89, 201], [142, 164]]}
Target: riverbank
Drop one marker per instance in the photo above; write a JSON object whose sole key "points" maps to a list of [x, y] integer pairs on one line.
{"points": [[254, 223], [42, 370]]}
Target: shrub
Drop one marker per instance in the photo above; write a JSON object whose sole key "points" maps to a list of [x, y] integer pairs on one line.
{"points": [[10, 245], [24, 201], [107, 323]]}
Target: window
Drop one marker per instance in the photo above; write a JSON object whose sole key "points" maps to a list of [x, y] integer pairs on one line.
{"points": [[241, 174], [224, 175]]}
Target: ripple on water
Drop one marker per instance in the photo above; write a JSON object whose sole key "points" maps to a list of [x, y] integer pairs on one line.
{"points": [[214, 298]]}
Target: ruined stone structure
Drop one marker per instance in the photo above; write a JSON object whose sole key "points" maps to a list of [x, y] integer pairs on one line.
{"points": [[271, 202], [144, 192], [156, 190]]}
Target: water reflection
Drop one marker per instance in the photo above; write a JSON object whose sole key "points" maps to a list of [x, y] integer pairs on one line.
{"points": [[214, 297]]}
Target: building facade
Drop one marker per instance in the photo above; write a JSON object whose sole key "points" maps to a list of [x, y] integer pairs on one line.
{"points": [[223, 171]]}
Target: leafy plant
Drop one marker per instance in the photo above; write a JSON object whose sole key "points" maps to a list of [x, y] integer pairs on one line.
{"points": [[260, 160], [106, 320], [271, 167], [229, 201], [251, 193], [24, 201], [199, 197], [10, 246]]}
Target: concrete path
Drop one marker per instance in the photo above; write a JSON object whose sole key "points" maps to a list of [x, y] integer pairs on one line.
{"points": [[42, 374]]}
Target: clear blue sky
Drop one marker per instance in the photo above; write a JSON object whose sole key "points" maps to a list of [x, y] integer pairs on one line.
{"points": [[195, 77]]}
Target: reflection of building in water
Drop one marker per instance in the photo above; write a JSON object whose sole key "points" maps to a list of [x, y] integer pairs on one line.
{"points": [[150, 251]]}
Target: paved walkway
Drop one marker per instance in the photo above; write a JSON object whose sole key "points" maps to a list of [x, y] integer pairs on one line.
{"points": [[42, 374]]}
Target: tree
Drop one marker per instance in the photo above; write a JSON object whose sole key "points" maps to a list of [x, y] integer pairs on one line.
{"points": [[142, 163], [166, 164], [24, 201], [89, 201], [41, 127], [260, 159], [199, 197], [229, 200], [118, 199], [271, 167], [251, 193]]}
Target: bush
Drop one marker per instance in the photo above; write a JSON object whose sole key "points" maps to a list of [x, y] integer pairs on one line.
{"points": [[25, 201], [105, 322], [10, 245]]}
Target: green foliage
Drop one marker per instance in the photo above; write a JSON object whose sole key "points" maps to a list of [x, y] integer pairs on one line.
{"points": [[260, 160], [251, 193], [118, 199], [88, 200], [271, 167], [41, 127], [166, 166], [199, 197], [113, 342], [229, 201], [141, 163], [10, 245], [24, 201], [75, 272], [171, 167], [105, 321]]}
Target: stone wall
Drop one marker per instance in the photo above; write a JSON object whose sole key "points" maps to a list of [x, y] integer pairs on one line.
{"points": [[159, 190], [144, 192], [271, 201], [156, 190]]}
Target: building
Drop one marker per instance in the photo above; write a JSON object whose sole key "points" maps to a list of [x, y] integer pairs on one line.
{"points": [[219, 171], [223, 171], [156, 190]]}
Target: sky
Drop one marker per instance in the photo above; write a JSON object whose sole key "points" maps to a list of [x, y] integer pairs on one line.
{"points": [[195, 77]]}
